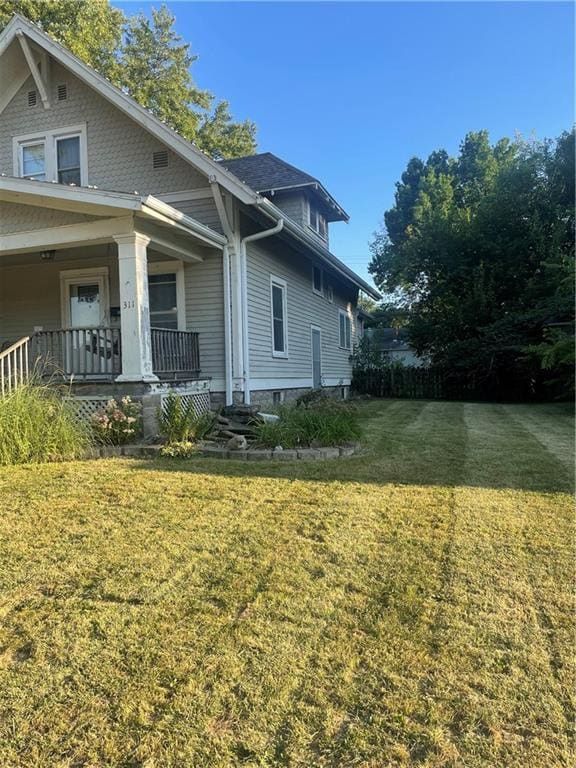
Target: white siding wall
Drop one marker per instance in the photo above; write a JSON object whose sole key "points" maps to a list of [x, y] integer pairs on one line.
{"points": [[119, 150], [305, 308]]}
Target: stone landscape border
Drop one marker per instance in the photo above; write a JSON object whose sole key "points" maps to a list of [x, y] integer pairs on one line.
{"points": [[218, 452]]}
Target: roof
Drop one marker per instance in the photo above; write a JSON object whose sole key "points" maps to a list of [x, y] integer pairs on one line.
{"points": [[390, 339], [266, 172]]}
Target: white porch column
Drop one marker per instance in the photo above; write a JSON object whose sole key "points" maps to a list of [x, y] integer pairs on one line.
{"points": [[134, 308]]}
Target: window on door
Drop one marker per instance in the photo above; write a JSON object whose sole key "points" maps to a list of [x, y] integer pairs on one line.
{"points": [[163, 300]]}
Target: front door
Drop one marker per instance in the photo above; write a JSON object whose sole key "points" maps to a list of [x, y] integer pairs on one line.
{"points": [[316, 357], [88, 346]]}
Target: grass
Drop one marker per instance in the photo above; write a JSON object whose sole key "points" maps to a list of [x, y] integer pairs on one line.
{"points": [[407, 607], [326, 423], [37, 424]]}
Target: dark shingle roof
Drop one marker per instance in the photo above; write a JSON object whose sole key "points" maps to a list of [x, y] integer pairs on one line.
{"points": [[266, 173]]}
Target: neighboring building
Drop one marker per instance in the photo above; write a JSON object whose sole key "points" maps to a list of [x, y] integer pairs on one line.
{"points": [[137, 263], [393, 345]]}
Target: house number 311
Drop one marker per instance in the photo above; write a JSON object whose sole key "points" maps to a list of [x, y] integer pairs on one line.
{"points": [[128, 305]]}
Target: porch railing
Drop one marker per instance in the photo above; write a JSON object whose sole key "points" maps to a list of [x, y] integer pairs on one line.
{"points": [[96, 353], [14, 365], [79, 352], [175, 352]]}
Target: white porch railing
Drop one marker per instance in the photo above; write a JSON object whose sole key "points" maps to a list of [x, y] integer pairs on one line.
{"points": [[14, 365]]}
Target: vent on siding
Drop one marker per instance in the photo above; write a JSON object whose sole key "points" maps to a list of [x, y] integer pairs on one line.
{"points": [[160, 159], [32, 98], [62, 91]]}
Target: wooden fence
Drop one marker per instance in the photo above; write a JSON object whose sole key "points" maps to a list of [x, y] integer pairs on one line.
{"points": [[440, 384]]}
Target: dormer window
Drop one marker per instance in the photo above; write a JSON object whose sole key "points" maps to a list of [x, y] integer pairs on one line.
{"points": [[52, 156], [317, 221]]}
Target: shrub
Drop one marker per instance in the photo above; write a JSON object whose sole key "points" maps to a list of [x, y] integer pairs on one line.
{"points": [[179, 422], [118, 422], [37, 425], [325, 424], [183, 450]]}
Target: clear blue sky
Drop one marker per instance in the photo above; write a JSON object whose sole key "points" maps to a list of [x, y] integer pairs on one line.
{"points": [[350, 91]]}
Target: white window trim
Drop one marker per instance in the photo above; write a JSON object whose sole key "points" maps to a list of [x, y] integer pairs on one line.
{"points": [[279, 283], [344, 313], [50, 161], [314, 289], [69, 277], [177, 266], [316, 328]]}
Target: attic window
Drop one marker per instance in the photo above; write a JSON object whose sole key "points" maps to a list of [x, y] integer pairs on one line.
{"points": [[316, 221], [160, 159], [62, 92], [32, 98]]}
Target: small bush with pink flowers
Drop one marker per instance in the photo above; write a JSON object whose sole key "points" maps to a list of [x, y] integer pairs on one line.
{"points": [[118, 422]]}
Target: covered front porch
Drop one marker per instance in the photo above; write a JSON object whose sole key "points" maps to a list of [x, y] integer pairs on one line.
{"points": [[100, 297]]}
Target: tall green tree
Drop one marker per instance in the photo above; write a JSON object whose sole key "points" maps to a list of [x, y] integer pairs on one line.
{"points": [[146, 58], [482, 248]]}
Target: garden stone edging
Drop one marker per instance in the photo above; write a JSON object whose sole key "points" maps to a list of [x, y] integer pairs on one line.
{"points": [[219, 452]]}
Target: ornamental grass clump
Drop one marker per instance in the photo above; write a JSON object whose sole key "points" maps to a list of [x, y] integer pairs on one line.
{"points": [[326, 422], [118, 422], [179, 422], [37, 424]]}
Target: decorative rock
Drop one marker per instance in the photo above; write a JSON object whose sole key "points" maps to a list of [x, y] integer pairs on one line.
{"points": [[258, 455], [109, 451], [346, 450], [223, 420], [278, 448], [132, 450], [308, 453], [238, 455], [151, 450], [284, 455], [237, 443], [329, 453]]}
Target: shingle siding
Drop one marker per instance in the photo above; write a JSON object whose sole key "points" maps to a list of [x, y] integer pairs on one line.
{"points": [[26, 218], [304, 309], [119, 151]]}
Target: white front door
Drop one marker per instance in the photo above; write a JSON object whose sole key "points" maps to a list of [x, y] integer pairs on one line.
{"points": [[88, 344]]}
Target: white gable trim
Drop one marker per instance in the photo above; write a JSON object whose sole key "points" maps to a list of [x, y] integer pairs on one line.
{"points": [[188, 152]]}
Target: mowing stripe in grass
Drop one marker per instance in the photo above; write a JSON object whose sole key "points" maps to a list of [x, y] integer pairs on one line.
{"points": [[556, 436]]}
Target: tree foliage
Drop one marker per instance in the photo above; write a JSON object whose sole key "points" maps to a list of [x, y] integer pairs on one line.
{"points": [[146, 58], [482, 248]]}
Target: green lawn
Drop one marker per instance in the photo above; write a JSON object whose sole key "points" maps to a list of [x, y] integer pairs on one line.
{"points": [[411, 606]]}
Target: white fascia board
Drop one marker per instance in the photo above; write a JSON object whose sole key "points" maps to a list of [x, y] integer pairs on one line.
{"points": [[42, 192], [295, 229], [129, 106]]}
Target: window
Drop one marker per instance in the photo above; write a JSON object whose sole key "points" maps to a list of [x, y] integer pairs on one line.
{"points": [[278, 311], [317, 280], [330, 294], [317, 221], [277, 398], [345, 330], [68, 160], [52, 156], [163, 301]]}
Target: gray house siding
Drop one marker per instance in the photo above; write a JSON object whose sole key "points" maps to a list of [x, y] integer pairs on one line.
{"points": [[203, 210], [119, 150], [304, 309], [204, 293], [26, 218]]}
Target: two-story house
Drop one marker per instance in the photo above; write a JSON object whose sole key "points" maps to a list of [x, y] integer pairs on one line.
{"points": [[132, 262]]}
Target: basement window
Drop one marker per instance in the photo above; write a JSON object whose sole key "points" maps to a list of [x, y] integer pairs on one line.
{"points": [[160, 159]]}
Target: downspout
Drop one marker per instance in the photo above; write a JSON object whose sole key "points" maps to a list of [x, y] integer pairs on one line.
{"points": [[245, 339], [226, 286]]}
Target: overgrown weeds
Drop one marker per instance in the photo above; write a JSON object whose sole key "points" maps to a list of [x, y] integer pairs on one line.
{"points": [[179, 422]]}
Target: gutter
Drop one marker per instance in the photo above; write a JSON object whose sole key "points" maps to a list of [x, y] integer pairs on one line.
{"points": [[300, 234], [245, 339]]}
